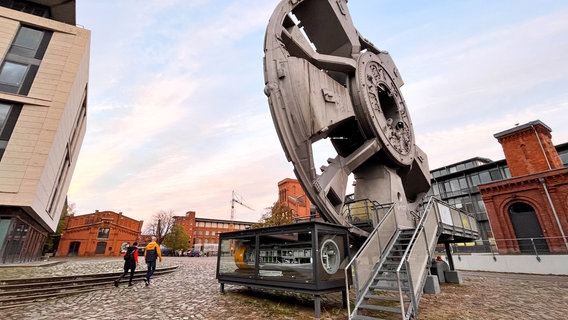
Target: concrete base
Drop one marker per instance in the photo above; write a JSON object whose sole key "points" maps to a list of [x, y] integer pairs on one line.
{"points": [[438, 268], [453, 276], [432, 285]]}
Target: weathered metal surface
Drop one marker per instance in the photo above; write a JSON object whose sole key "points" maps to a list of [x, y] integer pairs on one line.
{"points": [[325, 81]]}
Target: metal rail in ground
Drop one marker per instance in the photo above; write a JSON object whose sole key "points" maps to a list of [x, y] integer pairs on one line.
{"points": [[17, 292]]}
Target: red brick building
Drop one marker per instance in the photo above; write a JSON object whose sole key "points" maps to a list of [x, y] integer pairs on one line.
{"points": [[291, 193], [529, 211], [102, 233], [204, 232]]}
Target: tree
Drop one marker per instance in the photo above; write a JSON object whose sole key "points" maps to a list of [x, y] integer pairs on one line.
{"points": [[177, 239], [278, 215], [52, 241], [161, 224]]}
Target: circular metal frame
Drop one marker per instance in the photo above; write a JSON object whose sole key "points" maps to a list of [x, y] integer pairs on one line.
{"points": [[330, 256], [324, 81]]}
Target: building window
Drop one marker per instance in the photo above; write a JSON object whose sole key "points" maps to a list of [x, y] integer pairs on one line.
{"points": [[27, 7], [207, 232], [79, 124], [485, 177], [475, 180], [12, 74], [61, 178], [103, 233], [495, 175], [505, 172], [20, 66], [564, 158], [9, 114]]}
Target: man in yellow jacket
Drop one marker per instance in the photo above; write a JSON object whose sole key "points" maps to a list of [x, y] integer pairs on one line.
{"points": [[151, 254]]}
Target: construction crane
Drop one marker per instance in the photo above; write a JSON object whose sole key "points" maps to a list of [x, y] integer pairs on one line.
{"points": [[238, 199]]}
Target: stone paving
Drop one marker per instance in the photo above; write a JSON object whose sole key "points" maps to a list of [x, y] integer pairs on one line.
{"points": [[192, 292]]}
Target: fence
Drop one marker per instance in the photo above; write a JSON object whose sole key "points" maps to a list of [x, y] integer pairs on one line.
{"points": [[530, 255], [524, 246]]}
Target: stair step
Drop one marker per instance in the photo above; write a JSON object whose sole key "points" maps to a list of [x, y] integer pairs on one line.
{"points": [[392, 274], [391, 271], [385, 298], [380, 308], [360, 317], [387, 288], [389, 278]]}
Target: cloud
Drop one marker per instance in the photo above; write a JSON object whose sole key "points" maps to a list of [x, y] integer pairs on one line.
{"points": [[177, 118]]}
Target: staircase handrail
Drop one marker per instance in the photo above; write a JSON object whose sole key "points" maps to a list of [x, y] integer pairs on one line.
{"points": [[358, 254], [390, 211], [404, 259]]}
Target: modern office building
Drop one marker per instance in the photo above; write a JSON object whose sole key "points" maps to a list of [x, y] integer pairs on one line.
{"points": [[459, 183], [44, 71], [102, 233]]}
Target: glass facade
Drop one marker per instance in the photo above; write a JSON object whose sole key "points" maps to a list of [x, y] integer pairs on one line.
{"points": [[20, 239], [298, 255], [458, 184]]}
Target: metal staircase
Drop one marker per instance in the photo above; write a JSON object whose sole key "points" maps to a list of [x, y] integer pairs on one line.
{"points": [[390, 269], [390, 291]]}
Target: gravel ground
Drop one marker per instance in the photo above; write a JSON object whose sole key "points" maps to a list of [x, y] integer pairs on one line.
{"points": [[192, 292]]}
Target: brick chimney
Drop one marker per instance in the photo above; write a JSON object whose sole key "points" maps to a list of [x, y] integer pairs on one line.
{"points": [[528, 149]]}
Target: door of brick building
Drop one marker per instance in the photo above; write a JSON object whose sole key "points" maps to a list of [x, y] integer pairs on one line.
{"points": [[74, 248], [527, 228]]}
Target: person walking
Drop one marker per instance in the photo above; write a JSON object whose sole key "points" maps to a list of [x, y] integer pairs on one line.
{"points": [[130, 262], [151, 254]]}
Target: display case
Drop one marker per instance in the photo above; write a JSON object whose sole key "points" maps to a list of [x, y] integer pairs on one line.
{"points": [[305, 257]]}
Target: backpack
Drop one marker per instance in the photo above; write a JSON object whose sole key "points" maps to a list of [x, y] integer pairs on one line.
{"points": [[151, 255], [129, 255]]}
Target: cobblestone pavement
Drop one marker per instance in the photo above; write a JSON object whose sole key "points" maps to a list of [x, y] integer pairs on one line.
{"points": [[192, 292]]}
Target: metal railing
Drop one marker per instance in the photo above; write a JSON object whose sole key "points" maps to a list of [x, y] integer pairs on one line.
{"points": [[455, 220], [417, 256], [437, 217], [514, 246], [363, 265], [365, 211]]}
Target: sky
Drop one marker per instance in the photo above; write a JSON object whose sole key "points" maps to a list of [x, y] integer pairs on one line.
{"points": [[177, 119]]}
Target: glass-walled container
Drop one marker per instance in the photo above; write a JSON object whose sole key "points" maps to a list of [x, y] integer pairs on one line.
{"points": [[310, 256]]}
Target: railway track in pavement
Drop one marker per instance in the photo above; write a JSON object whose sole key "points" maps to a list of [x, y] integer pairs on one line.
{"points": [[17, 292]]}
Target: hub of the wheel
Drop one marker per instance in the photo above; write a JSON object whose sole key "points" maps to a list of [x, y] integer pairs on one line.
{"points": [[380, 108]]}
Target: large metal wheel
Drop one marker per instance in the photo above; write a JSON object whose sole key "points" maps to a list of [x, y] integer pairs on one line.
{"points": [[324, 81]]}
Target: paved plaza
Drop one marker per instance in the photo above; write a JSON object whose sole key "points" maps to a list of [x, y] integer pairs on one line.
{"points": [[192, 292]]}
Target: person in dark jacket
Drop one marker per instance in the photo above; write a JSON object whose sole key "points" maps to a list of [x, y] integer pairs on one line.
{"points": [[151, 254], [130, 262]]}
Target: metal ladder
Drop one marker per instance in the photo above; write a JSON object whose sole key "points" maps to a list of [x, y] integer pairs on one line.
{"points": [[390, 292]]}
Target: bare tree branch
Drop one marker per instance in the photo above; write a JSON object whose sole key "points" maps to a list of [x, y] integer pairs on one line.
{"points": [[161, 224]]}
